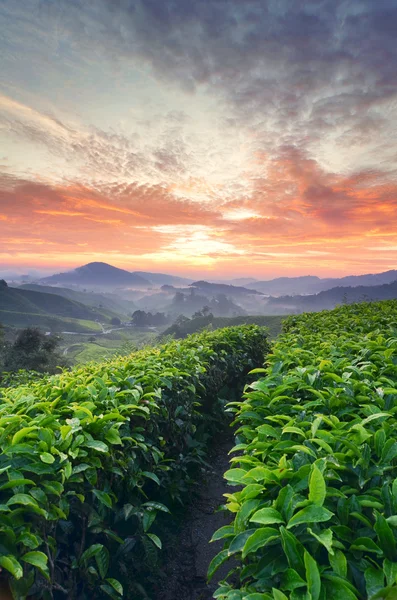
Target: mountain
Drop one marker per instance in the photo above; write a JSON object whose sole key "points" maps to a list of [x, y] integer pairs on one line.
{"points": [[22, 308], [223, 288], [97, 274], [244, 281], [310, 284], [370, 280], [328, 299], [287, 285], [159, 279]]}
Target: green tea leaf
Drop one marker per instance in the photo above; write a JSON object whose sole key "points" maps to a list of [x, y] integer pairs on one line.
{"points": [[317, 487], [312, 576], [11, 564], [23, 499], [278, 595], [325, 538], [102, 561], [37, 559], [103, 497], [216, 562], [385, 536], [90, 552], [238, 542], [47, 458], [155, 539], [267, 516], [260, 538], [365, 544], [310, 514], [374, 580], [116, 585], [293, 550], [96, 445], [390, 571], [223, 532]]}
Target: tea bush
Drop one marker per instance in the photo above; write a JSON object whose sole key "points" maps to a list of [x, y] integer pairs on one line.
{"points": [[89, 458], [315, 499]]}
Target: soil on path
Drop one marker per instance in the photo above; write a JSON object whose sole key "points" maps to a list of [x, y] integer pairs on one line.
{"points": [[185, 568]]}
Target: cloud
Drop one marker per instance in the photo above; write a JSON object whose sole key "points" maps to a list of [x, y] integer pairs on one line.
{"points": [[298, 217], [248, 130]]}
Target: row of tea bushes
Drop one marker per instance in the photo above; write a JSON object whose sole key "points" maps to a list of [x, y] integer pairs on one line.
{"points": [[315, 498], [90, 457]]}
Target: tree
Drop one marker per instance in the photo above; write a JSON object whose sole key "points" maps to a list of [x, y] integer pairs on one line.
{"points": [[139, 318], [1, 347], [33, 350], [204, 312], [179, 298], [181, 319], [115, 321]]}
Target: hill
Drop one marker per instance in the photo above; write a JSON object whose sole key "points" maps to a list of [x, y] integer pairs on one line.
{"points": [[97, 274], [331, 298], [310, 284], [223, 288], [159, 279], [23, 307], [112, 304]]}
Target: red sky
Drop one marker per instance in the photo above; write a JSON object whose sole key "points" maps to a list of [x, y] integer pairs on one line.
{"points": [[257, 140]]}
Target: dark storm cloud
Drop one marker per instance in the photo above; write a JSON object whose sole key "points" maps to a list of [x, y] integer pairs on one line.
{"points": [[303, 67]]}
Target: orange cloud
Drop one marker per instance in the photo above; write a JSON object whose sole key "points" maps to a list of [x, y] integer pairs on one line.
{"points": [[297, 219]]}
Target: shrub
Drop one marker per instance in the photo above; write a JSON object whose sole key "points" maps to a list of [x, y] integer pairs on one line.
{"points": [[91, 457], [315, 506]]}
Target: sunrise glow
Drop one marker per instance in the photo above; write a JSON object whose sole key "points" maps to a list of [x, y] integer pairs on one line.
{"points": [[238, 138]]}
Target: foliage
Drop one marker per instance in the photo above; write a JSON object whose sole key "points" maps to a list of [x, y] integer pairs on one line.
{"points": [[140, 318], [91, 458], [184, 326], [315, 506], [32, 350]]}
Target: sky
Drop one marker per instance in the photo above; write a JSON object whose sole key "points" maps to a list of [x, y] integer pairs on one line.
{"points": [[223, 137]]}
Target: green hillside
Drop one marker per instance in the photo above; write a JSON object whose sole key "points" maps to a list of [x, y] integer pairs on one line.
{"points": [[112, 304], [20, 300], [47, 322], [28, 308]]}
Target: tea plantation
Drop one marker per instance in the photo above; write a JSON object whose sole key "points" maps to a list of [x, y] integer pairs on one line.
{"points": [[315, 496], [92, 460]]}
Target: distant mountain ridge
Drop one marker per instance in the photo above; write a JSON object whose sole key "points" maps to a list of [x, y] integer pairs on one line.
{"points": [[100, 274], [223, 288], [163, 278], [311, 284], [328, 299], [103, 275]]}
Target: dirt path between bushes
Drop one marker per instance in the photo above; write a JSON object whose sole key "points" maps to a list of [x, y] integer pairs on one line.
{"points": [[188, 556]]}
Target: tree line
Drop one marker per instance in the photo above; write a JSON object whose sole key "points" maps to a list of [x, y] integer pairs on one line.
{"points": [[31, 350]]}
